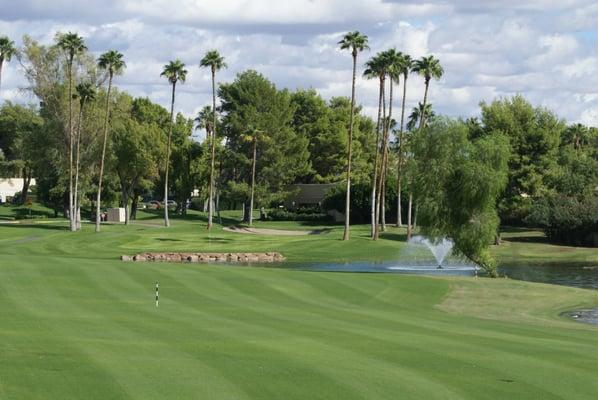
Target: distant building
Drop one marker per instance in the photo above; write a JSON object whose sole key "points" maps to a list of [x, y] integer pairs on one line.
{"points": [[307, 194], [11, 186]]}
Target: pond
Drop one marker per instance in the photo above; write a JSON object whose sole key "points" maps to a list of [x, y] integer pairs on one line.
{"points": [[582, 276]]}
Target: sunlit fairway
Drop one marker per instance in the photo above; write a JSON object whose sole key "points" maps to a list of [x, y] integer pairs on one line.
{"points": [[77, 323]]}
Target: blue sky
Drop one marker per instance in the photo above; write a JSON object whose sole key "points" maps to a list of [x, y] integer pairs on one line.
{"points": [[543, 49]]}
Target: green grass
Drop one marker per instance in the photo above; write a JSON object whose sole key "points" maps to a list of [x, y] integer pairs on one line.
{"points": [[522, 246], [77, 323]]}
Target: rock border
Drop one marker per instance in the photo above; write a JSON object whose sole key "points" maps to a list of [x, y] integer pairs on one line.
{"points": [[269, 257]]}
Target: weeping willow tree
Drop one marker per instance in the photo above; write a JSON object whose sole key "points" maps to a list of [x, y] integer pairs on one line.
{"points": [[457, 183]]}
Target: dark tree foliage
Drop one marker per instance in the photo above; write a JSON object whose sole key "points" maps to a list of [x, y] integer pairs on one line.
{"points": [[253, 103], [533, 134]]}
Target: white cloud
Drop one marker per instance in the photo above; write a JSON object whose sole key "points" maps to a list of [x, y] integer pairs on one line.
{"points": [[543, 49]]}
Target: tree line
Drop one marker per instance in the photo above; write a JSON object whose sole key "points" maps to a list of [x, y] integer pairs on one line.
{"points": [[90, 144]]}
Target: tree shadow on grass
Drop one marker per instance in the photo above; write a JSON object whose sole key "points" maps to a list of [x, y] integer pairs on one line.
{"points": [[219, 240], [48, 226], [529, 239], [397, 237]]}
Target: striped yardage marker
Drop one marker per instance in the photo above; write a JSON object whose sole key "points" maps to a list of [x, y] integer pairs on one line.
{"points": [[157, 294]]}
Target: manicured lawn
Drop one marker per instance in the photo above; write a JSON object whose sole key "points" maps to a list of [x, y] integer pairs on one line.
{"points": [[77, 323], [530, 247]]}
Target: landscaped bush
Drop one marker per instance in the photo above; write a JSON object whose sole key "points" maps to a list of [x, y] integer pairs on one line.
{"points": [[360, 202], [567, 219], [300, 214], [196, 204]]}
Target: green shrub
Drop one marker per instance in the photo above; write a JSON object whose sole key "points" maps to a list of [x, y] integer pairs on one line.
{"points": [[196, 204], [567, 219], [360, 202], [301, 214]]}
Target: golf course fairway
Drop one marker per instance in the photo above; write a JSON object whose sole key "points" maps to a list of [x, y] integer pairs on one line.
{"points": [[77, 323]]}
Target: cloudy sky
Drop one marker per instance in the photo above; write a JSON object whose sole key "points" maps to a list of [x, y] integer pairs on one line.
{"points": [[546, 50]]}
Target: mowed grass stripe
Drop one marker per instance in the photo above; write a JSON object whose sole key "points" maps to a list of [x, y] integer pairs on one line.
{"points": [[261, 333]]}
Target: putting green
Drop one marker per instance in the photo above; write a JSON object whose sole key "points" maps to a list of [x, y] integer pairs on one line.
{"points": [[76, 323]]}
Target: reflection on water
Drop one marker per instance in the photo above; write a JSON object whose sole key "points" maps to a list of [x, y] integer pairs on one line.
{"points": [[589, 316], [582, 276], [425, 268], [568, 275]]}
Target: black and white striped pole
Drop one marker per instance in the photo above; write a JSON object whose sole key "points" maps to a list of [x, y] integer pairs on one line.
{"points": [[157, 294]]}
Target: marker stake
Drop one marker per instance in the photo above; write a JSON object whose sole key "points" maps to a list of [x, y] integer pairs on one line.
{"points": [[157, 294]]}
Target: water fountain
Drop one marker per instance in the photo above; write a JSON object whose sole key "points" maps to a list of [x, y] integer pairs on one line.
{"points": [[429, 256], [439, 249]]}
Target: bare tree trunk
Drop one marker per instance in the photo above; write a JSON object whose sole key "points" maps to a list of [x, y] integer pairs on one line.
{"points": [[379, 149], [383, 200], [375, 177], [77, 163], [134, 205], [346, 233], [399, 209], [400, 162], [409, 226], [415, 218], [380, 196], [166, 221], [102, 160], [252, 181], [70, 150], [422, 118], [1, 63], [213, 143], [78, 215], [125, 202], [26, 182]]}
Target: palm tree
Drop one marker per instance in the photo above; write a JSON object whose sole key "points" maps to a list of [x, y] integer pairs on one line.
{"points": [[215, 62], [111, 61], [428, 67], [254, 136], [72, 44], [7, 50], [355, 42], [393, 71], [404, 65], [205, 120], [174, 71], [376, 68], [416, 115], [85, 92]]}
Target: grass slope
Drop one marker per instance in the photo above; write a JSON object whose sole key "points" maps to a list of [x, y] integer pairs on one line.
{"points": [[76, 323]]}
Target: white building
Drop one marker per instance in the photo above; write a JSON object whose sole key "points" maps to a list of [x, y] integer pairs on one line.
{"points": [[10, 186]]}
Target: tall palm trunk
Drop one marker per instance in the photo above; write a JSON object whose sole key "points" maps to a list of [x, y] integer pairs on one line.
{"points": [[77, 158], [409, 226], [400, 162], [252, 181], [346, 233], [102, 160], [70, 141], [1, 64], [422, 118], [166, 221], [213, 143], [375, 177], [383, 162]]}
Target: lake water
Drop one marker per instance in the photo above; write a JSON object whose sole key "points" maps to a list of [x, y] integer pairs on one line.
{"points": [[581, 276]]}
